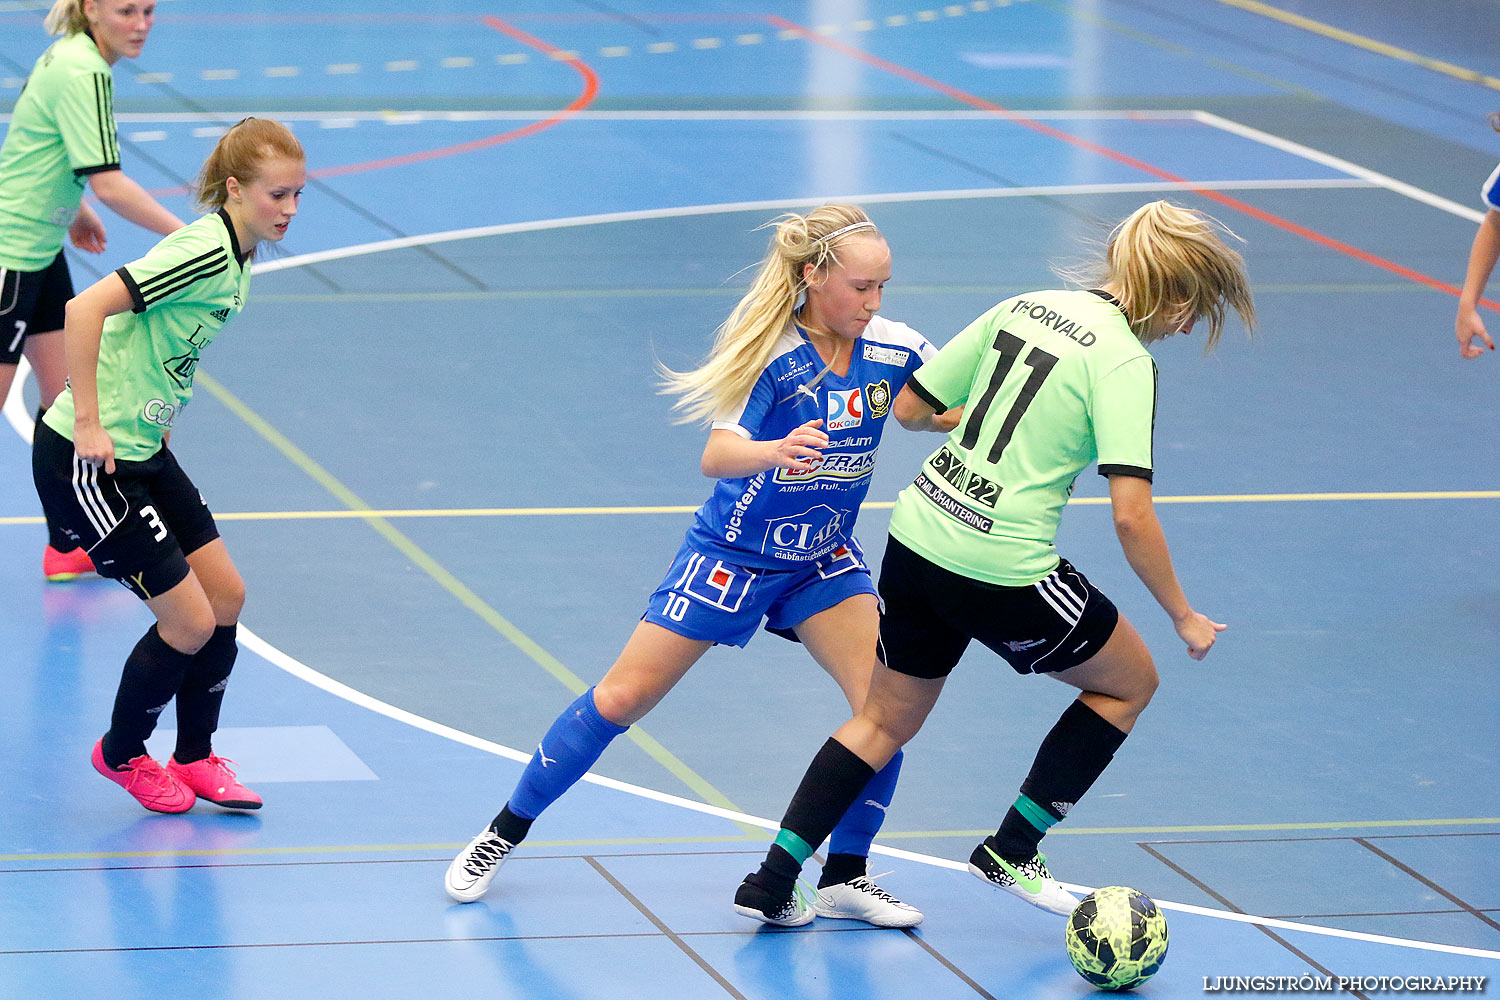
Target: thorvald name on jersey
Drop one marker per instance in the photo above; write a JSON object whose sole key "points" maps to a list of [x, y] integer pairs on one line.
{"points": [[886, 355], [805, 536], [846, 409], [841, 466], [1051, 317]]}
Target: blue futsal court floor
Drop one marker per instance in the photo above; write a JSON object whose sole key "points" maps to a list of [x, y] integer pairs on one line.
{"points": [[436, 452]]}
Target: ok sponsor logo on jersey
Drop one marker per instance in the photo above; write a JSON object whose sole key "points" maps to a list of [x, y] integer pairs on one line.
{"points": [[804, 536], [846, 409]]}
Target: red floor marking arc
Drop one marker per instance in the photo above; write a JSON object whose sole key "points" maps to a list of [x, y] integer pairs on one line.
{"points": [[978, 102], [583, 100]]}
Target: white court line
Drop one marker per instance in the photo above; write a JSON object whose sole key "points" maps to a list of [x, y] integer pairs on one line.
{"points": [[1337, 163], [15, 404], [957, 194], [15, 413], [300, 670], [505, 115]]}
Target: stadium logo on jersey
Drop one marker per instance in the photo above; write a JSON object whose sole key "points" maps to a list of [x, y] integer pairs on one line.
{"points": [[220, 315], [722, 587], [806, 535], [886, 355], [878, 395], [840, 465], [845, 409]]}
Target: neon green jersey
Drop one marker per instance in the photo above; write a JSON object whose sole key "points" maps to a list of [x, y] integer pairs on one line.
{"points": [[1051, 381], [62, 130], [185, 289]]}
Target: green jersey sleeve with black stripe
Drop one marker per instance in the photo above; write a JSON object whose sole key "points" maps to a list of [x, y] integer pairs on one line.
{"points": [[184, 291], [1051, 382], [62, 130]]}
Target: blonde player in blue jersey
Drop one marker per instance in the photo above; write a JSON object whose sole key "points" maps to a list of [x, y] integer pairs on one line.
{"points": [[1052, 381], [797, 390], [1482, 257], [105, 474], [61, 138]]}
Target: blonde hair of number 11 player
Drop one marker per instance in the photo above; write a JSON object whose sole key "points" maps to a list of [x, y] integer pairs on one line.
{"points": [[1482, 257], [834, 263], [119, 29], [254, 176], [1165, 267]]}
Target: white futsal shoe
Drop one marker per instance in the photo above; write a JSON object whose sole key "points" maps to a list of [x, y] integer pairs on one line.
{"points": [[470, 873], [861, 899]]}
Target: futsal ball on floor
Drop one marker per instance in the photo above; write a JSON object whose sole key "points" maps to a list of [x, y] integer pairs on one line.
{"points": [[1117, 938]]}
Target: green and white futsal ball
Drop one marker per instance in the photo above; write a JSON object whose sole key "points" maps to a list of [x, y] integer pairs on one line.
{"points": [[1117, 938]]}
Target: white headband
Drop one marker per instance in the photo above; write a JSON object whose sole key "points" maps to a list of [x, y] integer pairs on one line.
{"points": [[847, 229]]}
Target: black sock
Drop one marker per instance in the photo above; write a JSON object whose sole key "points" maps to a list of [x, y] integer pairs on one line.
{"points": [[832, 782], [510, 827], [840, 868], [153, 673], [202, 694], [1067, 764], [55, 536]]}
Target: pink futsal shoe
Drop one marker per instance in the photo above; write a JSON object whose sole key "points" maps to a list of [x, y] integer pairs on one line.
{"points": [[213, 779], [152, 785], [60, 567]]}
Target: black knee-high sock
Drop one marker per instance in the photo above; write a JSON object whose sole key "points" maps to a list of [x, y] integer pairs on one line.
{"points": [[1067, 764], [832, 782], [153, 673], [201, 694], [55, 536]]}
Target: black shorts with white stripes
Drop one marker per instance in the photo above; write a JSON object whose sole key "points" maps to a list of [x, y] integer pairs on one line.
{"points": [[931, 614], [31, 302], [138, 525]]}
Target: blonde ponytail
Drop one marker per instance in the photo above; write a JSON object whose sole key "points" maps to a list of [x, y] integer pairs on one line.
{"points": [[1165, 257], [743, 344], [66, 18]]}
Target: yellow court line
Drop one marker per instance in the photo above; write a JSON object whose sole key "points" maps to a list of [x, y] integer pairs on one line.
{"points": [[1363, 42], [368, 513], [757, 836]]}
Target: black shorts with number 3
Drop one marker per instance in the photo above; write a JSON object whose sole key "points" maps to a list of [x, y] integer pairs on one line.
{"points": [[931, 614], [138, 525]]}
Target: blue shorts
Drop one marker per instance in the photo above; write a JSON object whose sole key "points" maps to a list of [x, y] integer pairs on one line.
{"points": [[704, 597]]}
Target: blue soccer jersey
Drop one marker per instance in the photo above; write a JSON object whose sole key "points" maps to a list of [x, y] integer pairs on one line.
{"points": [[1490, 192], [780, 518]]}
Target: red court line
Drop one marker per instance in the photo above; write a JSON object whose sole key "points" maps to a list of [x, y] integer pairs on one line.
{"points": [[1119, 157], [583, 100]]}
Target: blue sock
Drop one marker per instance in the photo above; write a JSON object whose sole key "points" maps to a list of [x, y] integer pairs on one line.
{"points": [[862, 821], [565, 754]]}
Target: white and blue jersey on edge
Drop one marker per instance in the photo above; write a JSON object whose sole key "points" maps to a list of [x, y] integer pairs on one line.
{"points": [[780, 518], [1490, 192]]}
